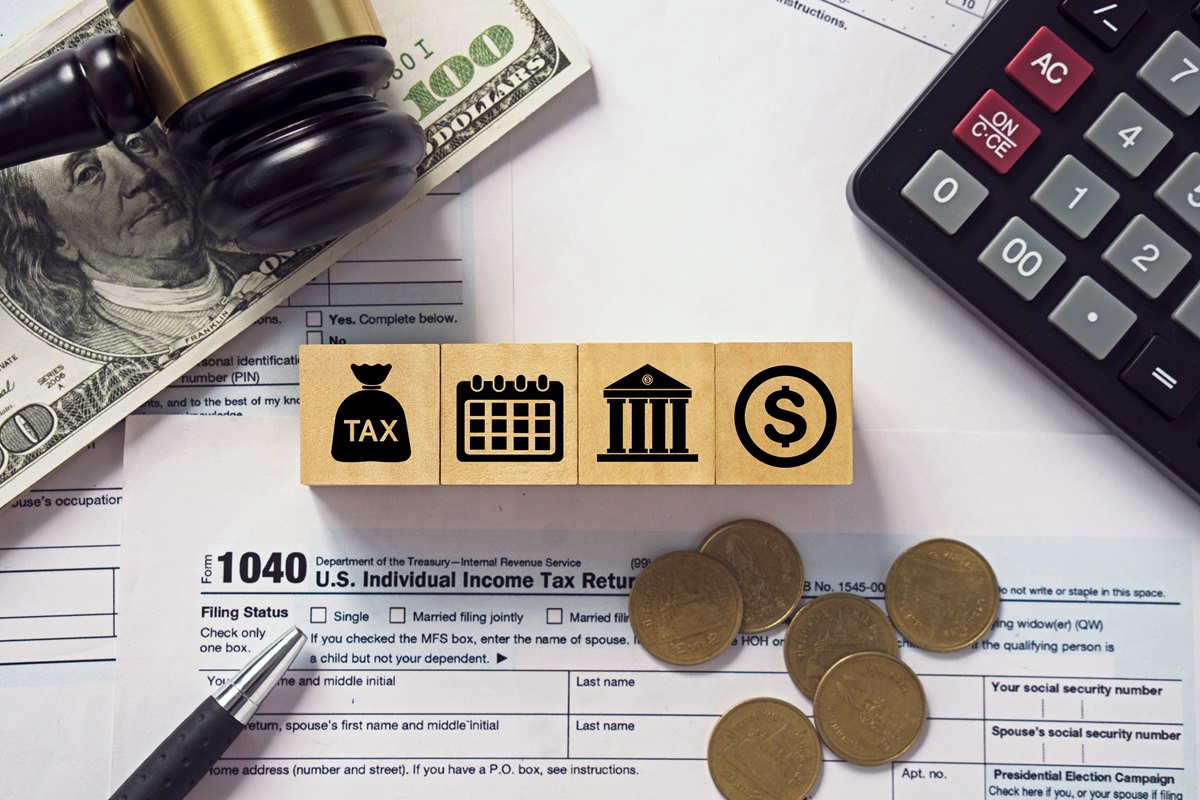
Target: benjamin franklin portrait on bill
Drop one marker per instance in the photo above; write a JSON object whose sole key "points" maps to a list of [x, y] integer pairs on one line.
{"points": [[104, 248]]}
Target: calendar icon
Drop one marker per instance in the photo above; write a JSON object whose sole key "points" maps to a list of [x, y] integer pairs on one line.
{"points": [[509, 420]]}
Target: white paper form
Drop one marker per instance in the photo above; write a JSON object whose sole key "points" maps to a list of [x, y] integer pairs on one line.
{"points": [[59, 558], [474, 639], [59, 562], [940, 25]]}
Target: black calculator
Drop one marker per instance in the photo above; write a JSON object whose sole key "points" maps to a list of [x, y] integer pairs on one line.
{"points": [[1049, 179]]}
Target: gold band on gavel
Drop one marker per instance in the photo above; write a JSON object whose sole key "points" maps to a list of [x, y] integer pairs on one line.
{"points": [[183, 48]]}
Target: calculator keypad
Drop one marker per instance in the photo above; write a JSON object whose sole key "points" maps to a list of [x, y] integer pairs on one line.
{"points": [[1055, 155]]}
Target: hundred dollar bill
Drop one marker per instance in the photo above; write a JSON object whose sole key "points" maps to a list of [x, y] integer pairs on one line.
{"points": [[110, 289]]}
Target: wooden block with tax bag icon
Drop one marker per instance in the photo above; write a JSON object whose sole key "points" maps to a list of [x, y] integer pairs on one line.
{"points": [[370, 414]]}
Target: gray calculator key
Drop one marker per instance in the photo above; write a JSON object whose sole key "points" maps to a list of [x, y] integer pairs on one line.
{"points": [[1022, 258], [1188, 313], [1075, 196], [1128, 135], [1093, 318], [1181, 192], [1146, 256], [1173, 72], [944, 192]]}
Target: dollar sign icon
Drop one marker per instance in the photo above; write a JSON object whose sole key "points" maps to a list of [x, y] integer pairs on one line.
{"points": [[798, 423], [781, 405]]}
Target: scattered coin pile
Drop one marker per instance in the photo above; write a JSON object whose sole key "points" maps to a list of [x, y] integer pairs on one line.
{"points": [[840, 650]]}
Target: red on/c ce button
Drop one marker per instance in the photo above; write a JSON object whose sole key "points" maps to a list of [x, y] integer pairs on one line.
{"points": [[996, 132]]}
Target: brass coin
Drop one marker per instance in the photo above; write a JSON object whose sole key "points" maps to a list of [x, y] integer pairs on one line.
{"points": [[942, 595], [685, 608], [870, 708], [764, 748], [767, 567], [828, 629]]}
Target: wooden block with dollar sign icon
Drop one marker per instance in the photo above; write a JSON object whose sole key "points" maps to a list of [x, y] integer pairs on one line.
{"points": [[784, 413]]}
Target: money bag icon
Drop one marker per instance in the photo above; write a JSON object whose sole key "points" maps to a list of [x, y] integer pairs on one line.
{"points": [[370, 424]]}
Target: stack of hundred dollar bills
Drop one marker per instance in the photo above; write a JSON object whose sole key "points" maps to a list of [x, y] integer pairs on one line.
{"points": [[74, 360]]}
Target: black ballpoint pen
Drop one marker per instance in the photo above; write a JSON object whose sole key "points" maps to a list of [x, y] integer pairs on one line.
{"points": [[178, 764]]}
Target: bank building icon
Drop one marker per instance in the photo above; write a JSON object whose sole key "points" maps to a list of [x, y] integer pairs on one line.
{"points": [[647, 418]]}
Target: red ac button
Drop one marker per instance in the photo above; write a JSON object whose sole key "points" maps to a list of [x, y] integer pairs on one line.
{"points": [[1048, 69]]}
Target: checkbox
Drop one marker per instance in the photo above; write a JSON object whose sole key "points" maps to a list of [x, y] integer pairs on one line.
{"points": [[313, 319], [398, 615], [554, 616], [315, 337], [318, 615]]}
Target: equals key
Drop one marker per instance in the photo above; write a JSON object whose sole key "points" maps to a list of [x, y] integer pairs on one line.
{"points": [[1163, 376]]}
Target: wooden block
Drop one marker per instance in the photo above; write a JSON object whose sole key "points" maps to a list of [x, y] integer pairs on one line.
{"points": [[784, 413], [646, 413], [509, 414], [369, 414]]}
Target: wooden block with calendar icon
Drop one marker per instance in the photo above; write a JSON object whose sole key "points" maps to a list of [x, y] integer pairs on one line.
{"points": [[369, 414], [646, 413], [784, 413], [509, 414]]}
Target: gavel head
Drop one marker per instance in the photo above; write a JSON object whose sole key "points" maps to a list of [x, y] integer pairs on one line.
{"points": [[276, 98], [273, 98]]}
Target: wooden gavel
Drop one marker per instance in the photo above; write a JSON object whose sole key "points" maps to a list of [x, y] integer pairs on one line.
{"points": [[275, 98]]}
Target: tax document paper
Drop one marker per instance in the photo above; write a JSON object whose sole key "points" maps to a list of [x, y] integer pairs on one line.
{"points": [[475, 641]]}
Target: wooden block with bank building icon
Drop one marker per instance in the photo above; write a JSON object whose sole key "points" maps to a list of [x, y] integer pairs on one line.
{"points": [[370, 414], [509, 414], [784, 413], [646, 413]]}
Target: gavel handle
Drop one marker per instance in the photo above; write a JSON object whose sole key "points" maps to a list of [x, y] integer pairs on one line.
{"points": [[72, 100]]}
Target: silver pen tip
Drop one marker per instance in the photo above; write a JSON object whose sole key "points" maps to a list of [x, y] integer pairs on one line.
{"points": [[244, 693]]}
